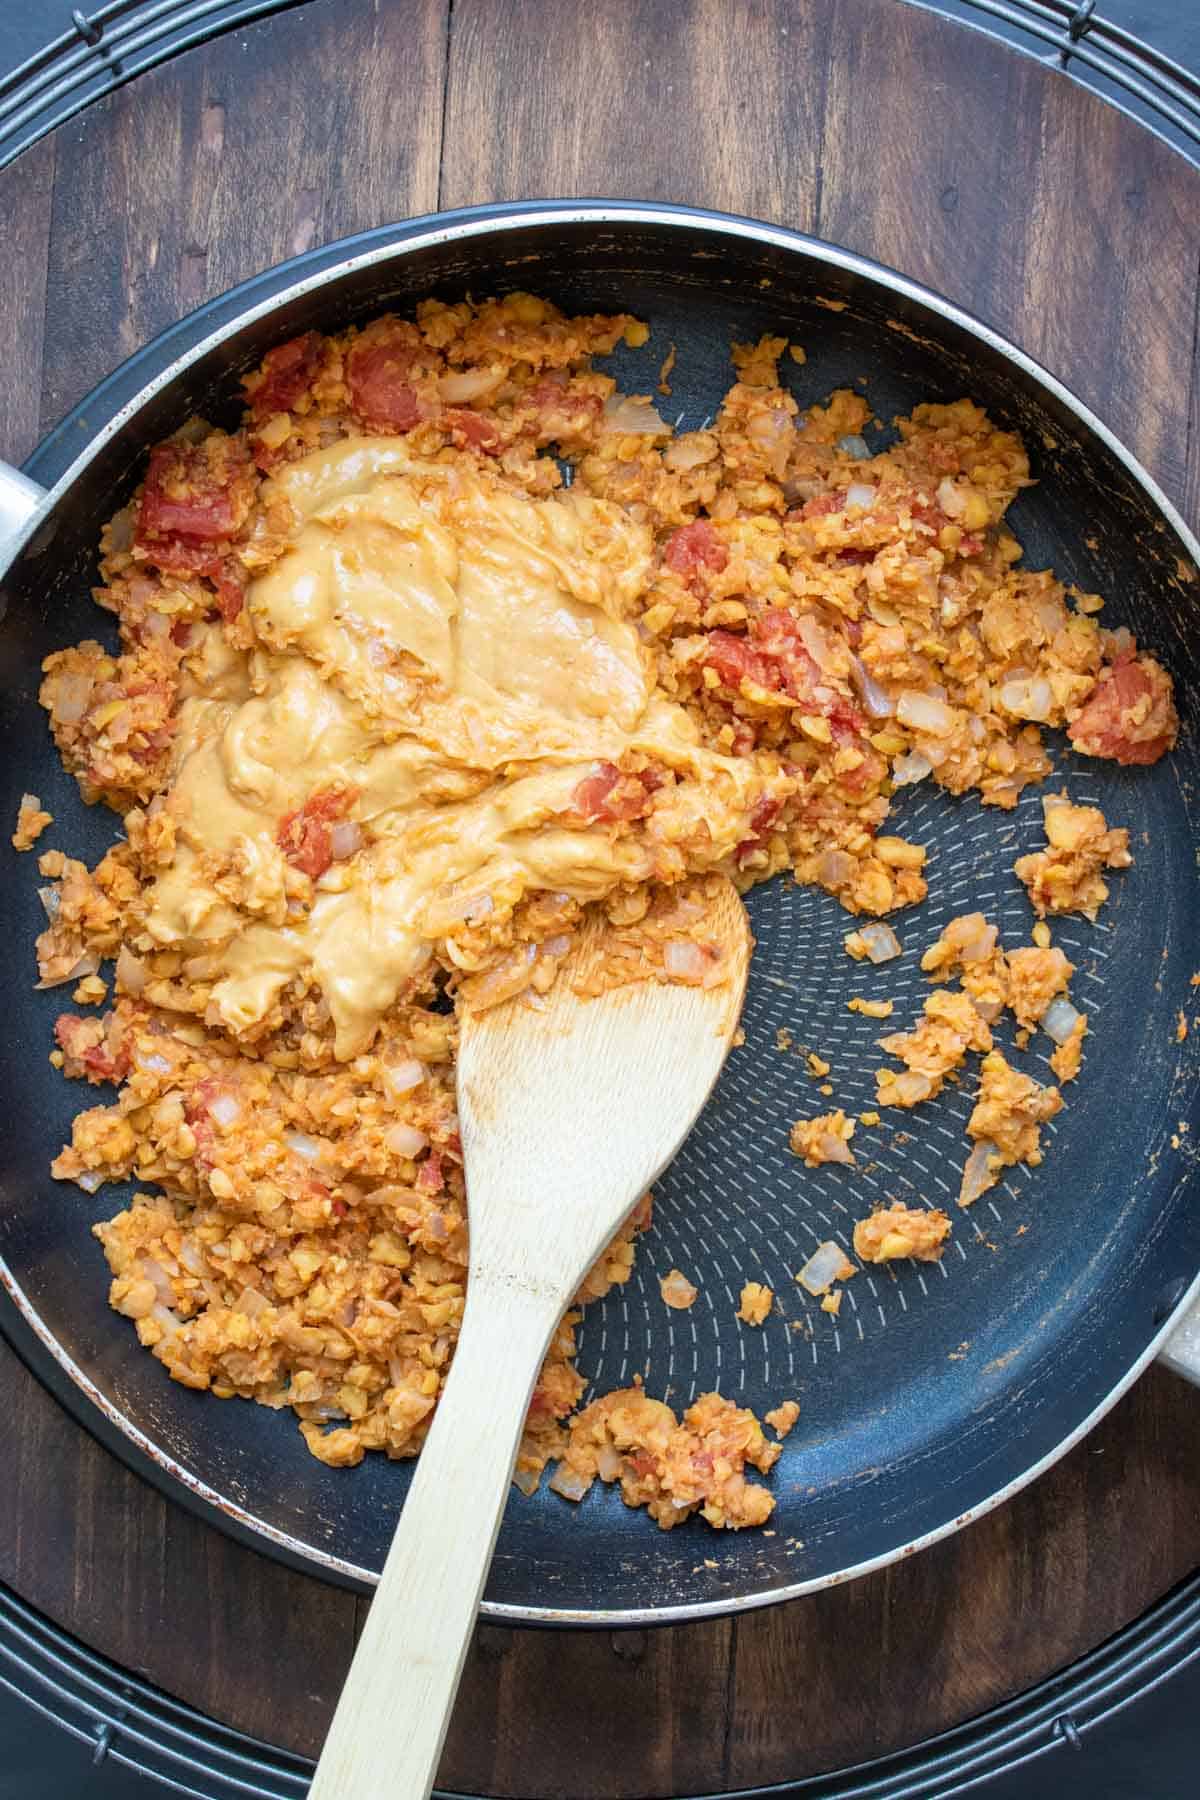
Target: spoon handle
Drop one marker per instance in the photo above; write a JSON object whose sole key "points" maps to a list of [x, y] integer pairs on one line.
{"points": [[391, 1720]]}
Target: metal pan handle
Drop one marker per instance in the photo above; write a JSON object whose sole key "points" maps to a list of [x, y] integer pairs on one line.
{"points": [[19, 500], [1181, 1352]]}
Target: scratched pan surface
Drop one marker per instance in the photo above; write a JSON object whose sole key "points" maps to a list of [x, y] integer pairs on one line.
{"points": [[938, 1389]]}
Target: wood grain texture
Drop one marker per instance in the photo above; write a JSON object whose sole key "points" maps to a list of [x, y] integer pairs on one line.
{"points": [[984, 174], [219, 165], [25, 190], [537, 1092]]}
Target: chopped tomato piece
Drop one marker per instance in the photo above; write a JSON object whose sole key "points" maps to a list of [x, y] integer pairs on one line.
{"points": [[694, 547], [305, 837], [609, 795], [287, 371], [378, 372], [822, 504], [764, 815], [430, 1179], [475, 431], [1130, 716], [194, 494]]}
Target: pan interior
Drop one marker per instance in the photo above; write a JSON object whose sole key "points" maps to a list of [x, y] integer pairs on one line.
{"points": [[936, 1386]]}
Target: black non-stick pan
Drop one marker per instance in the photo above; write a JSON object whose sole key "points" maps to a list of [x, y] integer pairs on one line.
{"points": [[938, 1390]]}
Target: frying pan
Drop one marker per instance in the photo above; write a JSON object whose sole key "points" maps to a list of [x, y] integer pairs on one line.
{"points": [[938, 1390]]}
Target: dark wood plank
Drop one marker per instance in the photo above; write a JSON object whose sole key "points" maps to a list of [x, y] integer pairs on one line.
{"points": [[658, 99], [319, 122], [877, 125], [25, 191], [965, 1625], [1082, 242], [141, 1580]]}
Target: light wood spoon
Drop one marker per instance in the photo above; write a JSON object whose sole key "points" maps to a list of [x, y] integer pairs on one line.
{"points": [[567, 1114]]}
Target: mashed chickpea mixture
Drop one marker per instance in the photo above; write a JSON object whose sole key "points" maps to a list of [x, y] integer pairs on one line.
{"points": [[394, 702]]}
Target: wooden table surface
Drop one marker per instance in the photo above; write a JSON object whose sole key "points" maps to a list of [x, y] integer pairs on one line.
{"points": [[869, 122]]}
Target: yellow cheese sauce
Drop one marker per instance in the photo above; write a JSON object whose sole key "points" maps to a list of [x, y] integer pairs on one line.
{"points": [[459, 657]]}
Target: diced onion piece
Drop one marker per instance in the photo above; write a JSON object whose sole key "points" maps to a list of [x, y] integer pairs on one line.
{"points": [[834, 868], [226, 1109], [252, 1303], [862, 494], [51, 900], [1060, 1019], [951, 499], [834, 1148], [131, 971], [911, 768], [684, 960], [815, 640], [152, 1062], [463, 386], [921, 712], [69, 698], [405, 1140], [910, 1087], [629, 413], [528, 1480], [161, 1281], [558, 945], [609, 1462], [345, 839], [878, 703], [402, 1077], [302, 1144], [689, 451], [169, 1320], [827, 1264], [90, 1179], [978, 1175], [1030, 699], [569, 1482], [881, 941], [855, 446]]}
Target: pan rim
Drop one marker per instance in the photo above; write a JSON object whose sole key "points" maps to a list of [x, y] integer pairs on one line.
{"points": [[430, 232]]}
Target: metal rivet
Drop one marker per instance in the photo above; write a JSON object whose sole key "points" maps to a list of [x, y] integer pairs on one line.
{"points": [[1066, 1728], [90, 32], [1169, 1299], [1081, 20]]}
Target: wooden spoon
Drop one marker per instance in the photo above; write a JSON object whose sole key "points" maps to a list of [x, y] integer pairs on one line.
{"points": [[567, 1114]]}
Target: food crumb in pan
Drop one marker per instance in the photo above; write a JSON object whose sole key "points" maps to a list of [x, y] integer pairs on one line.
{"points": [[677, 1291], [798, 353], [871, 1009], [816, 1065], [1066, 1058], [824, 1139], [1181, 1027], [1041, 935], [755, 1304], [897, 1230], [672, 1467], [933, 1051], [664, 373], [1010, 1109], [868, 1118], [832, 1302], [1065, 876], [32, 820], [781, 1418], [783, 1039]]}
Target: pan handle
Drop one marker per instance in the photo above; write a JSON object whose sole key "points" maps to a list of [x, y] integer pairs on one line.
{"points": [[1181, 1352], [19, 500]]}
